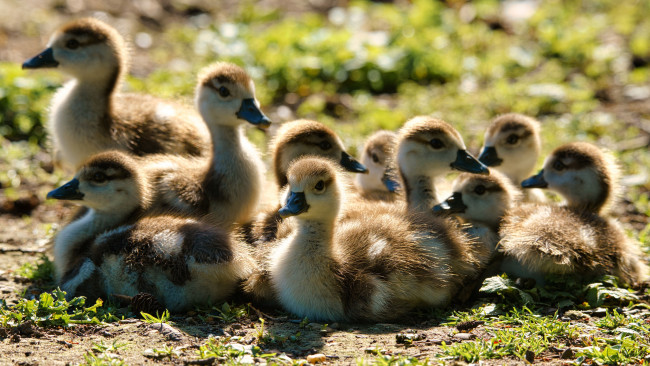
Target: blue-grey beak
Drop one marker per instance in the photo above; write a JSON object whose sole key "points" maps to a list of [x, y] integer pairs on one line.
{"points": [[467, 163], [295, 205], [43, 59], [536, 181], [451, 205], [351, 164], [249, 112], [389, 181], [68, 191], [490, 157]]}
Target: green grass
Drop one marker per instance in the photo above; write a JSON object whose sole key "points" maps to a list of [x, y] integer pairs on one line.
{"points": [[158, 318]]}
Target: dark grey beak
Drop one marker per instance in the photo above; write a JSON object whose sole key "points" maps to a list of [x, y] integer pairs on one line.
{"points": [[467, 163], [249, 112], [536, 181], [489, 157], [43, 59], [68, 191], [295, 205], [351, 164], [451, 205]]}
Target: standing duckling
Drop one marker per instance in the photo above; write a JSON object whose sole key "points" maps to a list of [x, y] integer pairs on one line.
{"points": [[379, 183], [573, 239], [428, 148], [512, 144], [88, 115], [230, 186], [371, 267]]}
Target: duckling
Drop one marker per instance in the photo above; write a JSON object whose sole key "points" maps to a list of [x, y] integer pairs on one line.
{"points": [[512, 144], [306, 137], [379, 183], [482, 201], [427, 148], [371, 267], [573, 239], [110, 185], [229, 187], [181, 262], [89, 115]]}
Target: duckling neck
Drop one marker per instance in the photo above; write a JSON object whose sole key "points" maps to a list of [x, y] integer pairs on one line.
{"points": [[234, 180], [421, 193], [74, 239]]}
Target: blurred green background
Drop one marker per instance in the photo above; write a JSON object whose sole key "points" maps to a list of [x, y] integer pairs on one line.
{"points": [[581, 67]]}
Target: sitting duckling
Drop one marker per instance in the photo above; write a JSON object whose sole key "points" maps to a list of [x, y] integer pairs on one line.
{"points": [[371, 267], [114, 191], [512, 145], [573, 239], [229, 187], [378, 184], [181, 262], [88, 115], [306, 137], [482, 201], [428, 148]]}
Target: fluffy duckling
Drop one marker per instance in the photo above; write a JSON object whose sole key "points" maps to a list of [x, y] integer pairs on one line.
{"points": [[573, 239], [181, 262], [428, 148], [305, 137], [512, 144], [111, 186], [482, 201], [371, 267], [379, 183], [89, 115], [229, 187]]}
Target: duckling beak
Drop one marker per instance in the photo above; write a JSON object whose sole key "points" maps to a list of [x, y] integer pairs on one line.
{"points": [[467, 163], [68, 191], [43, 59], [451, 205], [389, 181], [295, 205], [251, 113], [489, 156], [536, 181], [351, 164]]}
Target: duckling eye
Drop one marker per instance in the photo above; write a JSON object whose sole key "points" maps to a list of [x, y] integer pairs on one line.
{"points": [[558, 165], [72, 44], [436, 144], [224, 92], [325, 145], [479, 189], [99, 177], [320, 186], [512, 139], [375, 158]]}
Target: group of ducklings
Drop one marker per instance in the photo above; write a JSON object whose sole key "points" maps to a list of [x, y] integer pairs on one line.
{"points": [[175, 203]]}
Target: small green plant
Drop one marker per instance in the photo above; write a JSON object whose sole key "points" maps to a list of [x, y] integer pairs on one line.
{"points": [[612, 320], [52, 309], [158, 318], [167, 352], [41, 272], [232, 313], [102, 359], [114, 347], [615, 352]]}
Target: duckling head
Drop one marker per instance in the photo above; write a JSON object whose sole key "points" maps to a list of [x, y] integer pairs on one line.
{"points": [[480, 198], [314, 192], [586, 176], [85, 48], [305, 137], [427, 146], [225, 95], [512, 145], [376, 157], [107, 182]]}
